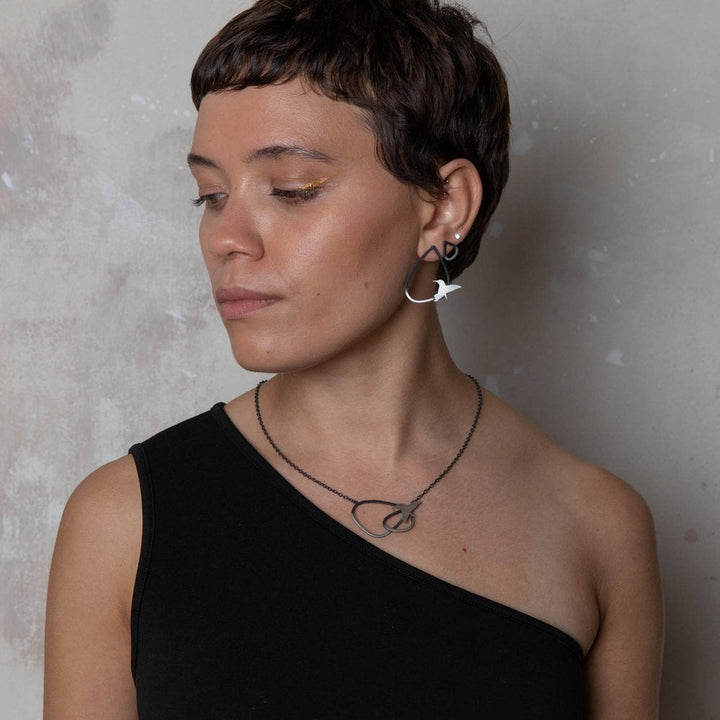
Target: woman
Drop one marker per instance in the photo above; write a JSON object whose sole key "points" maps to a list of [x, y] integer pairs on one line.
{"points": [[368, 534]]}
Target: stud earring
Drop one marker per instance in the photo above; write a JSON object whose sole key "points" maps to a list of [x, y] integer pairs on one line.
{"points": [[450, 249], [445, 287]]}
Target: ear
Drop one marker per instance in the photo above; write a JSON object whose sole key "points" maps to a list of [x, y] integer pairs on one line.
{"points": [[455, 210]]}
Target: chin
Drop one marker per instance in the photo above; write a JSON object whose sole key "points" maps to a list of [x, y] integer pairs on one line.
{"points": [[272, 361]]}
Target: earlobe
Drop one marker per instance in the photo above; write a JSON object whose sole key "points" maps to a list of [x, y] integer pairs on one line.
{"points": [[450, 249]]}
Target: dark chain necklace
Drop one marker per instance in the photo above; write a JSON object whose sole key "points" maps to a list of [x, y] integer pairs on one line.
{"points": [[402, 517]]}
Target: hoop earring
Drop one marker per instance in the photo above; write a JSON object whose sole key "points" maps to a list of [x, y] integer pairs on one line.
{"points": [[450, 252]]}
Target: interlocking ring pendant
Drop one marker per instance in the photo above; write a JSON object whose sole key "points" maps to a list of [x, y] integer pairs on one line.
{"points": [[405, 522]]}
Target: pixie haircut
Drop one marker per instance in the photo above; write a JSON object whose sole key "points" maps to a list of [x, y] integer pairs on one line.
{"points": [[429, 89]]}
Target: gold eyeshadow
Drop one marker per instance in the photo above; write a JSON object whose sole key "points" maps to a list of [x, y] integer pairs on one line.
{"points": [[313, 184]]}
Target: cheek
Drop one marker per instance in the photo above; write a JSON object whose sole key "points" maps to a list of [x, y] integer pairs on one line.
{"points": [[202, 238], [211, 261], [384, 233], [361, 267]]}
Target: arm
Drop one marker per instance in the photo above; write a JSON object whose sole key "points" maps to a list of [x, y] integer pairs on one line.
{"points": [[623, 666], [87, 634]]}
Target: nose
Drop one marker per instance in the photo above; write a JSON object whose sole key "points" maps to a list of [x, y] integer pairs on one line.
{"points": [[230, 230]]}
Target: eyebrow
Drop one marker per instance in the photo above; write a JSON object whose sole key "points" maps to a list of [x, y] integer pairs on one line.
{"points": [[195, 160], [277, 151], [271, 152]]}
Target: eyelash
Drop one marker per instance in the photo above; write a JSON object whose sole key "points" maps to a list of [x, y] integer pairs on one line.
{"points": [[210, 198], [293, 196], [296, 196]]}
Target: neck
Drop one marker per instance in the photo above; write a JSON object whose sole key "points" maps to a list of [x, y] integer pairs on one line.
{"points": [[384, 400]]}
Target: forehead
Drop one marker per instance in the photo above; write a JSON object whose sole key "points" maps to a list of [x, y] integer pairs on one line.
{"points": [[241, 122]]}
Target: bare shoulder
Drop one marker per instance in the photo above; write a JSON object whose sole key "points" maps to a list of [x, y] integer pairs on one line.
{"points": [[612, 520], [607, 510], [104, 512], [111, 485], [624, 663], [607, 530], [98, 542], [87, 634]]}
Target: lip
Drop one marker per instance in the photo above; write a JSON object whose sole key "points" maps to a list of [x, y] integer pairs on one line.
{"points": [[236, 303]]}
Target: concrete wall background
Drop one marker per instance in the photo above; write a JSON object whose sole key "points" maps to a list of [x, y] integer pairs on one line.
{"points": [[594, 307]]}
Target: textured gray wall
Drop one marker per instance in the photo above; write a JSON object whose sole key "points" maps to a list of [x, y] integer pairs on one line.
{"points": [[593, 307]]}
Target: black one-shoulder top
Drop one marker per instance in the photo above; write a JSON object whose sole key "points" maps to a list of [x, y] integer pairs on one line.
{"points": [[250, 602]]}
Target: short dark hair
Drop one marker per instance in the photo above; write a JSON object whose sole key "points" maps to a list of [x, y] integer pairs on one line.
{"points": [[431, 91]]}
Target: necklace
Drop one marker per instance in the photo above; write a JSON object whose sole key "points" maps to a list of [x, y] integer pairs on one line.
{"points": [[402, 517]]}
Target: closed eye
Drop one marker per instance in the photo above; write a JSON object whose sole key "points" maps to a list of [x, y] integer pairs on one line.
{"points": [[212, 200], [297, 195]]}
